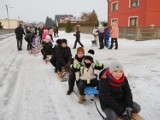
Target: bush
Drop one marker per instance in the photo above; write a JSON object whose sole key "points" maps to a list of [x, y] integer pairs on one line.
{"points": [[1, 26], [69, 27]]}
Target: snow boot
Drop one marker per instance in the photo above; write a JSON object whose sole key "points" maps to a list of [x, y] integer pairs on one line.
{"points": [[81, 99], [60, 74]]}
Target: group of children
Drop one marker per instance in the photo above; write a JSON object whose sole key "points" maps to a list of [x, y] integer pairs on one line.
{"points": [[114, 91], [103, 33]]}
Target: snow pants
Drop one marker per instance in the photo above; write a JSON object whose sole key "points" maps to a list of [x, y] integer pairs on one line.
{"points": [[111, 115], [83, 83]]}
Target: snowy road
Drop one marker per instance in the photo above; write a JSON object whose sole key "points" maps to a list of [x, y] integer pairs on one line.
{"points": [[30, 90]]}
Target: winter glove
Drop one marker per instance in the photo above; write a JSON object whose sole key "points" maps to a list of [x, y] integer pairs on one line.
{"points": [[98, 64], [76, 66], [127, 113]]}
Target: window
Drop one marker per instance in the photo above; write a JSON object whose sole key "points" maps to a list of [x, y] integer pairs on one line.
{"points": [[134, 3], [133, 21], [115, 20], [115, 6]]}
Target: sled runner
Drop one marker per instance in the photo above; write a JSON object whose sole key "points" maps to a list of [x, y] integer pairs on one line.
{"points": [[134, 117]]}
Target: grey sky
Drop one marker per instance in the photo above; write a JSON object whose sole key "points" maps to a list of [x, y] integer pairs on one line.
{"points": [[37, 10]]}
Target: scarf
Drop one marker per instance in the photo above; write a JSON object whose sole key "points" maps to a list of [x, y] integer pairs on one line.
{"points": [[113, 81]]}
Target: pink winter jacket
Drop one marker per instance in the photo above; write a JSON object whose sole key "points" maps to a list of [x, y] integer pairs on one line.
{"points": [[45, 33], [114, 31]]}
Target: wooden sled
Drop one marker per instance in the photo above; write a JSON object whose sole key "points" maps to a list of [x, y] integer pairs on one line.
{"points": [[135, 117]]}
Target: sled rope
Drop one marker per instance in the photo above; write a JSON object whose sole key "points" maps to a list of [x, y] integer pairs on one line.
{"points": [[97, 108]]}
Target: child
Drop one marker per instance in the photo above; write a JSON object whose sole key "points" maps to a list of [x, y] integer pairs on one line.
{"points": [[77, 35], [114, 35], [115, 94], [76, 63], [56, 47], [106, 36], [47, 47], [87, 76], [29, 37], [63, 57]]}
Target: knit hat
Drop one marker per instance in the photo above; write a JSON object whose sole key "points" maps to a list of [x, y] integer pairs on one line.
{"points": [[64, 41], [91, 51], [45, 28], [58, 41], [80, 49], [87, 57], [115, 65]]}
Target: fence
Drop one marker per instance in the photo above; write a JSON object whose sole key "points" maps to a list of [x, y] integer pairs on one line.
{"points": [[140, 33], [132, 33], [5, 31]]}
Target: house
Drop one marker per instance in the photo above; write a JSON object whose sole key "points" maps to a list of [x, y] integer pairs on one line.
{"points": [[9, 24], [72, 19], [128, 13], [58, 17]]}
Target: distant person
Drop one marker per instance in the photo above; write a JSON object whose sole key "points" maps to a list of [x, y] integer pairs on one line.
{"points": [[29, 38], [95, 34], [47, 47], [101, 36], [19, 36], [77, 35], [50, 31], [106, 35], [114, 35]]}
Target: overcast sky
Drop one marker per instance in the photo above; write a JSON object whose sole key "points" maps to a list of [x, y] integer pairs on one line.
{"points": [[37, 10]]}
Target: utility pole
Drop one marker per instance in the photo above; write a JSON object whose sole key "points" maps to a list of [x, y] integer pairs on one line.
{"points": [[8, 16]]}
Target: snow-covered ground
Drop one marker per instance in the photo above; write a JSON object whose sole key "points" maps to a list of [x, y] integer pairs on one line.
{"points": [[30, 90]]}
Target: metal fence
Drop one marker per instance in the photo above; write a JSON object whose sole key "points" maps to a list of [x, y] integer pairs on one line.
{"points": [[5, 31]]}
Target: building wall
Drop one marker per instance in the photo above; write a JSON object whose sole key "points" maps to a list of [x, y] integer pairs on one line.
{"points": [[124, 12], [153, 13], [13, 23]]}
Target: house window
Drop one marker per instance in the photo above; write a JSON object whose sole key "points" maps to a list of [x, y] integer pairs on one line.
{"points": [[115, 20], [134, 3], [115, 6], [133, 21]]}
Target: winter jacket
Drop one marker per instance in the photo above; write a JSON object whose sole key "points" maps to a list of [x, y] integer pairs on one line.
{"points": [[106, 33], [19, 32], [48, 48], [63, 54], [114, 31], [29, 37], [88, 73], [116, 98], [44, 35], [77, 35], [101, 31], [77, 60]]}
